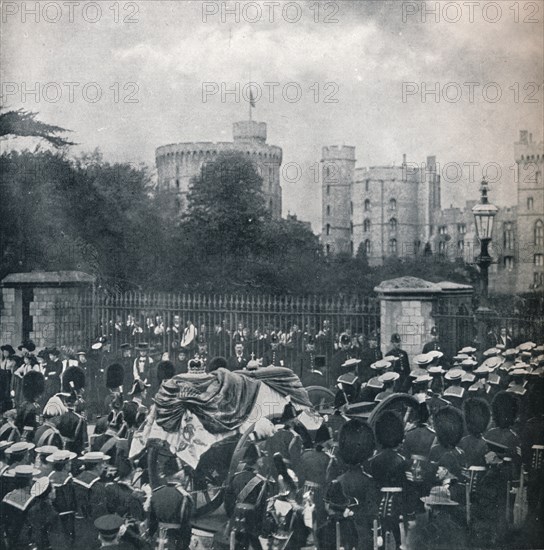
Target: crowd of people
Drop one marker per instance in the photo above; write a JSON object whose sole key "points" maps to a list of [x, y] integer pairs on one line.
{"points": [[446, 452]]}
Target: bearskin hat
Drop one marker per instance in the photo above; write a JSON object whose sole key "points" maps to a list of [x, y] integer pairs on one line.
{"points": [[477, 415], [422, 412], [389, 430], [129, 413], [73, 379], [33, 385], [355, 442], [165, 370], [115, 374], [449, 427], [217, 363], [504, 409]]}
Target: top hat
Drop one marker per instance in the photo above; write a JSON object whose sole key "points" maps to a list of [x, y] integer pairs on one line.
{"points": [[142, 346], [8, 348]]}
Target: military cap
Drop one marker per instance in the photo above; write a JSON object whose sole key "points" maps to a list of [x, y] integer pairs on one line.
{"points": [[59, 457], [19, 448], [382, 364], [436, 369], [388, 377], [350, 378], [395, 338], [491, 352], [109, 525], [495, 446], [454, 374], [289, 413], [93, 457], [468, 350], [435, 354], [350, 363], [274, 338], [389, 429], [46, 450], [526, 346], [434, 331], [73, 379], [423, 359], [510, 352], [493, 362]]}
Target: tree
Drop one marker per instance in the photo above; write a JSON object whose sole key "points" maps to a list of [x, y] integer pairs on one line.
{"points": [[23, 123]]}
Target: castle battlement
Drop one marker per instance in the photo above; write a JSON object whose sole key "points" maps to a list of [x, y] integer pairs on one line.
{"points": [[528, 150], [338, 152]]}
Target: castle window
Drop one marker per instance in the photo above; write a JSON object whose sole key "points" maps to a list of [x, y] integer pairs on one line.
{"points": [[509, 263], [392, 204], [351, 228], [351, 208], [177, 185], [368, 247], [508, 236], [351, 246], [461, 245], [461, 228], [442, 247], [431, 230], [366, 226], [367, 205], [328, 229], [393, 224], [538, 279], [443, 230], [328, 209], [530, 203], [328, 189], [328, 249], [393, 247], [367, 185], [539, 233], [539, 260], [271, 204]]}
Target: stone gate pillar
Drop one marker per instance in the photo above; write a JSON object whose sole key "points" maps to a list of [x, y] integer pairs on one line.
{"points": [[28, 300], [406, 306]]}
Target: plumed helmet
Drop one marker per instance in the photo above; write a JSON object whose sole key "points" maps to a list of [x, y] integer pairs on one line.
{"points": [[504, 409], [115, 374], [165, 370], [73, 379], [389, 430], [33, 385], [355, 442], [477, 415], [448, 425], [54, 407]]}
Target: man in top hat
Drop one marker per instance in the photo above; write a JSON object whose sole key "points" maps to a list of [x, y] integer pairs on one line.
{"points": [[239, 360], [170, 511], [340, 357], [434, 344], [275, 356], [28, 413], [141, 368], [402, 365], [64, 501], [370, 354]]}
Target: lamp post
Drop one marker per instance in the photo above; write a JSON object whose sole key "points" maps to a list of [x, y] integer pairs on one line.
{"points": [[484, 213]]}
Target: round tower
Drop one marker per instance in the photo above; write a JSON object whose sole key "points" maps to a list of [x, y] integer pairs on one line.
{"points": [[337, 169]]}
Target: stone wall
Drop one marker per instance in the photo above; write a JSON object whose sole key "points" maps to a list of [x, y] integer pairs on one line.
{"points": [[11, 322]]}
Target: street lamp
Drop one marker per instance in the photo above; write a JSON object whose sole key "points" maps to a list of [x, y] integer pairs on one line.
{"points": [[483, 215]]}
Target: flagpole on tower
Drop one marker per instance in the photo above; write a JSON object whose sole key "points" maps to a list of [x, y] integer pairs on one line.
{"points": [[251, 99]]}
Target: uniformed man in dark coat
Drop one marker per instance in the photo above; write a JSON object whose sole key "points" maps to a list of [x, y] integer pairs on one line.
{"points": [[454, 393], [170, 512], [109, 532], [17, 454], [309, 372], [53, 373], [275, 355], [341, 356], [28, 412], [434, 344], [91, 496], [369, 355], [402, 365], [127, 360], [477, 416]]}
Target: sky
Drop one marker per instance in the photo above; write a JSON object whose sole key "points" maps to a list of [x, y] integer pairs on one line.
{"points": [[347, 72]]}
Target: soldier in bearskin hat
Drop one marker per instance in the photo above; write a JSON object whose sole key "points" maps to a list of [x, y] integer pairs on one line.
{"points": [[28, 413], [477, 416], [388, 468], [356, 445], [72, 425], [115, 376]]}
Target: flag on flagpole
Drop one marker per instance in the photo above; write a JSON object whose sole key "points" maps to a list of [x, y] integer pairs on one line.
{"points": [[251, 98]]}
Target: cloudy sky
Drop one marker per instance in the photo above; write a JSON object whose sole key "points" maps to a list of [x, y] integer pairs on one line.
{"points": [[152, 58]]}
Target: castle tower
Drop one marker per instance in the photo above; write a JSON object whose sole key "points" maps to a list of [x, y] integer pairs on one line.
{"points": [[337, 169], [529, 156], [178, 163]]}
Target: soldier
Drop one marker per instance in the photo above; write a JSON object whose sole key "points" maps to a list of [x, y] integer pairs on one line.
{"points": [[402, 365], [369, 355], [388, 468], [341, 356], [478, 388], [110, 534], [372, 388], [437, 383], [434, 344], [477, 416], [115, 376], [28, 413], [40, 462], [64, 501], [355, 446], [170, 511], [17, 454], [72, 425], [388, 380]]}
